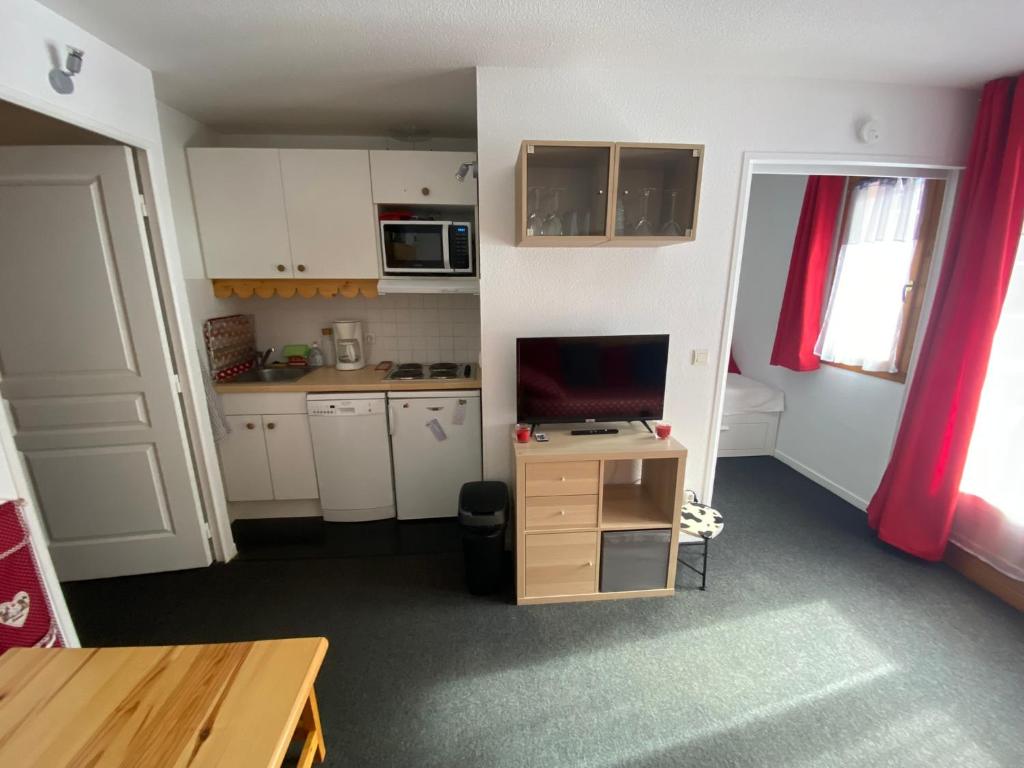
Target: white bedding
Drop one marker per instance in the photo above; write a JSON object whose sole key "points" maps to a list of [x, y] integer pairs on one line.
{"points": [[743, 395]]}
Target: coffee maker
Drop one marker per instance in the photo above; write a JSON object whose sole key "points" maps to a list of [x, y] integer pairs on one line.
{"points": [[349, 346]]}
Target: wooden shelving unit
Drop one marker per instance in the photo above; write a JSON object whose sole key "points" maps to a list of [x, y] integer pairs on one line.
{"points": [[565, 506]]}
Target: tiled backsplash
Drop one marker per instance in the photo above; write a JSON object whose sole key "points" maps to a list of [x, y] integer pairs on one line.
{"points": [[424, 328]]}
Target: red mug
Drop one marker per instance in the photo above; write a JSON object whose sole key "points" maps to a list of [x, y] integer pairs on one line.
{"points": [[662, 430], [522, 434]]}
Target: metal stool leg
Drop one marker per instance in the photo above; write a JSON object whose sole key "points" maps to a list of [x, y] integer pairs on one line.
{"points": [[704, 571]]}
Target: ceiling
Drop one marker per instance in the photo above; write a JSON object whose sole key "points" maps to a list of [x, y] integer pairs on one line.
{"points": [[370, 67]]}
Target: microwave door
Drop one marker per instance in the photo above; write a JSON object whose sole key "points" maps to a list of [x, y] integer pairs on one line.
{"points": [[411, 248]]}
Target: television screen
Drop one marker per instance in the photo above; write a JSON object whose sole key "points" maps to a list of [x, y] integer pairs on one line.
{"points": [[590, 378]]}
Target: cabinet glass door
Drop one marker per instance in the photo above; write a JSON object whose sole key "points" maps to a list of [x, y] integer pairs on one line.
{"points": [[563, 193], [657, 188]]}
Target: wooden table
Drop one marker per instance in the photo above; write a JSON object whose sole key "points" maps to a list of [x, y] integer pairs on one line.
{"points": [[235, 704]]}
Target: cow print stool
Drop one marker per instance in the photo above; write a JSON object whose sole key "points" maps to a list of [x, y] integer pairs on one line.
{"points": [[698, 524]]}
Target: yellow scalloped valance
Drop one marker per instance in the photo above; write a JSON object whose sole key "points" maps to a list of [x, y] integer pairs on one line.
{"points": [[307, 289]]}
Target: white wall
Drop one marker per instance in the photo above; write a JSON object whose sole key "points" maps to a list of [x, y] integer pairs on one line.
{"points": [[681, 289], [838, 425]]}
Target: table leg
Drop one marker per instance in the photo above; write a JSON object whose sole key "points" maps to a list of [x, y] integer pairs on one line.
{"points": [[309, 723]]}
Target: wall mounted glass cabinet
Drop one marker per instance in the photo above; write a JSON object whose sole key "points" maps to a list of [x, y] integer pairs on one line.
{"points": [[593, 193]]}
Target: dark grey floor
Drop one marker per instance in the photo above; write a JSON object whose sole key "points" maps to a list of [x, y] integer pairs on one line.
{"points": [[814, 646]]}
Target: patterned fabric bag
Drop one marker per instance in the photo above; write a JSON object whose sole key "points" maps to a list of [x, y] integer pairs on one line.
{"points": [[26, 617]]}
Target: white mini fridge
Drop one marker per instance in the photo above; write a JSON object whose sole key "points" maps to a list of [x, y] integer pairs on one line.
{"points": [[435, 446]]}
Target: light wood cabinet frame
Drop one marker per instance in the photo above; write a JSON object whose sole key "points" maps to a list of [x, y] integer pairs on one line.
{"points": [[608, 237]]}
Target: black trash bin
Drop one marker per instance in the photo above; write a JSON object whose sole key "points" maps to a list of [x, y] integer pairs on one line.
{"points": [[483, 514]]}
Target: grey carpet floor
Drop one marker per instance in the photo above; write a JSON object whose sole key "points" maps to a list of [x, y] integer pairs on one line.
{"points": [[813, 646]]}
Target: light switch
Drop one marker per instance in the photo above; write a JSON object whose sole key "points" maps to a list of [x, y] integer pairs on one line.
{"points": [[700, 357]]}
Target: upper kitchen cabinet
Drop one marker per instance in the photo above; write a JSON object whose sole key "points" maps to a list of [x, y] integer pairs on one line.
{"points": [[562, 193], [421, 178], [330, 214], [290, 213], [592, 193], [656, 189], [240, 209]]}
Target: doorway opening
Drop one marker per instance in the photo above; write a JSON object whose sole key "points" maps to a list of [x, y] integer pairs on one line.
{"points": [[832, 415]]}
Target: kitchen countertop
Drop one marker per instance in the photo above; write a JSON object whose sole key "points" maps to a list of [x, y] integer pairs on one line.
{"points": [[329, 379]]}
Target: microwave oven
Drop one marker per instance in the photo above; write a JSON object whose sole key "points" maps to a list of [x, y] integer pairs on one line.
{"points": [[427, 248]]}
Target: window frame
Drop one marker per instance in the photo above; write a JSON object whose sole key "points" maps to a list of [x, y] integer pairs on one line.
{"points": [[917, 283]]}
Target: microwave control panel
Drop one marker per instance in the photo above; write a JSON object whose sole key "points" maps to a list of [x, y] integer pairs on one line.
{"points": [[460, 247]]}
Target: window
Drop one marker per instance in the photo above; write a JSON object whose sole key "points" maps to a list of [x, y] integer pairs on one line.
{"points": [[885, 248], [994, 460]]}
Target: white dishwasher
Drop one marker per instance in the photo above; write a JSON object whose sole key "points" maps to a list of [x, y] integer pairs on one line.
{"points": [[435, 441], [352, 455]]}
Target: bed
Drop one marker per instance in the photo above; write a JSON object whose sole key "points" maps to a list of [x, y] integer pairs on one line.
{"points": [[750, 417]]}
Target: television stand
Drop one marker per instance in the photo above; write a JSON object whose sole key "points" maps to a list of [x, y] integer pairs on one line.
{"points": [[582, 532]]}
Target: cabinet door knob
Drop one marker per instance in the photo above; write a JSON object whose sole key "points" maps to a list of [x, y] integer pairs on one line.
{"points": [[590, 563], [562, 478], [250, 425], [271, 425], [561, 512], [301, 267], [281, 267], [425, 191]]}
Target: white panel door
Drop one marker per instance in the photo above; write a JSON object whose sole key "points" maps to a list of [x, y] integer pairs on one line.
{"points": [[239, 203], [85, 366], [430, 472], [244, 462], [330, 213], [425, 178], [290, 449]]}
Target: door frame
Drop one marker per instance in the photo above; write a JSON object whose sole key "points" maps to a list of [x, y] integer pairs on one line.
{"points": [[205, 462], [800, 164]]}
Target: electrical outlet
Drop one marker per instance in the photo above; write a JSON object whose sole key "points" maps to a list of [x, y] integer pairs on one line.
{"points": [[700, 357]]}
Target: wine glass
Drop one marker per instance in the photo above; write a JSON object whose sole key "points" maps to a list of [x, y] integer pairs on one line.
{"points": [[533, 220], [643, 227], [552, 225], [672, 227]]}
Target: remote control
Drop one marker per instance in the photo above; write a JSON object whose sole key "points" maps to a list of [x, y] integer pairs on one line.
{"points": [[540, 437], [611, 431]]}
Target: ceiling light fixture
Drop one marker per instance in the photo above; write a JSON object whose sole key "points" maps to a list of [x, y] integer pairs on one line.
{"points": [[464, 169], [60, 79]]}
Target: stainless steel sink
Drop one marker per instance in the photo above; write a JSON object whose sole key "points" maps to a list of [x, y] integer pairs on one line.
{"points": [[271, 375]]}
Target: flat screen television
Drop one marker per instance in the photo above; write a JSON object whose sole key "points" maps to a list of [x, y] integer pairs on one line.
{"points": [[570, 379]]}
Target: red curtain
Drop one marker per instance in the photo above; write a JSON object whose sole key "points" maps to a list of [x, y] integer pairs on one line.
{"points": [[800, 318], [914, 504]]}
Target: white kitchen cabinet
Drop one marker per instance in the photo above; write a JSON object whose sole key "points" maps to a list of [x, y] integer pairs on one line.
{"points": [[244, 462], [290, 450], [330, 213], [269, 453], [423, 178], [240, 210]]}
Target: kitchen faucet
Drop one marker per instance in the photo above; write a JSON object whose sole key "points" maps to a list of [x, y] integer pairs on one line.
{"points": [[266, 356]]}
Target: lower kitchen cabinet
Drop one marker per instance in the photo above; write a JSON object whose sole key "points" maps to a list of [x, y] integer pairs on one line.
{"points": [[268, 457]]}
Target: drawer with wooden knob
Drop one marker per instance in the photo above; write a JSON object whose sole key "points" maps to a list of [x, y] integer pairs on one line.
{"points": [[562, 478], [561, 563], [560, 512]]}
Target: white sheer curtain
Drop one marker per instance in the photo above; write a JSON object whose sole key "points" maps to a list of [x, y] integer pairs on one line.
{"points": [[994, 531], [864, 316]]}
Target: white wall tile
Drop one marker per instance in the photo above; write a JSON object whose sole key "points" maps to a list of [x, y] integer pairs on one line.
{"points": [[426, 328]]}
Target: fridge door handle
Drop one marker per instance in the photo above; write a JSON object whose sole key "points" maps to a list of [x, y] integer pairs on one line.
{"points": [[391, 419]]}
